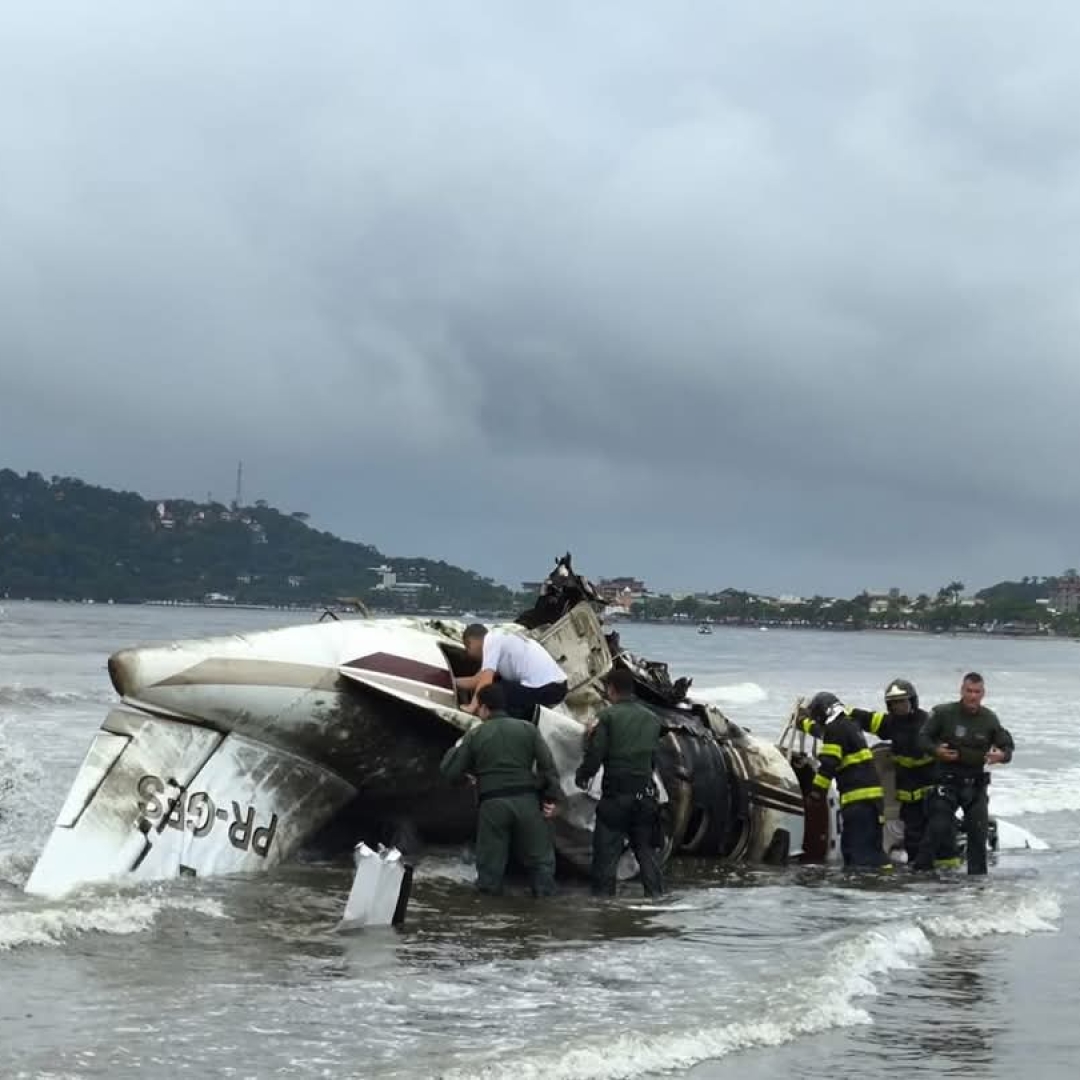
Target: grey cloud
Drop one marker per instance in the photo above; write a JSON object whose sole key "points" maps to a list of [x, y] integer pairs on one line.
{"points": [[779, 298]]}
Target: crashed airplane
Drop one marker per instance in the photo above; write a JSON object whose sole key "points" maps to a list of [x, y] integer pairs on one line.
{"points": [[233, 754]]}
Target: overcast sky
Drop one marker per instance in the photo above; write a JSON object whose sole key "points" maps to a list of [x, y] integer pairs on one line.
{"points": [[783, 296]]}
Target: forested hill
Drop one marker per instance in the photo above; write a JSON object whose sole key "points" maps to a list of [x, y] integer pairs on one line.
{"points": [[66, 539]]}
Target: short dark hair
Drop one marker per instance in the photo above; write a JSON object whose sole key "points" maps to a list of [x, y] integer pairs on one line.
{"points": [[973, 677], [473, 630], [492, 697], [621, 681]]}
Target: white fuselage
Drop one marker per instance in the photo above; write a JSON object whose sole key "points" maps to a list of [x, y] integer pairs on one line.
{"points": [[226, 754]]}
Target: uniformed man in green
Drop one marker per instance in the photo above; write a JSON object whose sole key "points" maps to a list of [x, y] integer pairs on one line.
{"points": [[515, 802], [624, 741], [964, 736]]}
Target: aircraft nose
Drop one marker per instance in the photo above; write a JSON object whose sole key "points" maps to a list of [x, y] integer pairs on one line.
{"points": [[121, 672]]}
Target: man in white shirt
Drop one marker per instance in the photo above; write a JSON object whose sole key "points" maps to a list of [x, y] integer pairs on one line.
{"points": [[527, 672]]}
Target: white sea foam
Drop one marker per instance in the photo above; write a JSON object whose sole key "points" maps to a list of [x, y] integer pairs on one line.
{"points": [[23, 809], [1035, 791], [16, 697], [58, 924], [805, 1007], [744, 693], [979, 915], [445, 868]]}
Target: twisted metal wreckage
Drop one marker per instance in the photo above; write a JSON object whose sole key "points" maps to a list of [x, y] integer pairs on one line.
{"points": [[231, 754]]}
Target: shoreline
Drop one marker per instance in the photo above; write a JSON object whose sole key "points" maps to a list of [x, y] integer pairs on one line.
{"points": [[610, 623]]}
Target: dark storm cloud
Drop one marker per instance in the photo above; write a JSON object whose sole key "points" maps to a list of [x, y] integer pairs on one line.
{"points": [[782, 298]]}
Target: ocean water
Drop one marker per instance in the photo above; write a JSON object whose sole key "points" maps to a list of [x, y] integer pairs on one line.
{"points": [[741, 972]]}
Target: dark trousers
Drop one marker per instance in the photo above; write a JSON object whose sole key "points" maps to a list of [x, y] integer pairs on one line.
{"points": [[514, 823], [938, 848], [862, 835], [913, 815], [522, 700], [626, 817]]}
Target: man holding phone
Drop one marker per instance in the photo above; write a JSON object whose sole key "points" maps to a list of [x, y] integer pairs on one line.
{"points": [[964, 737]]}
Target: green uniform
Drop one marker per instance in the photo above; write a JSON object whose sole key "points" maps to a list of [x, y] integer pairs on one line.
{"points": [[500, 752], [960, 784], [624, 741]]}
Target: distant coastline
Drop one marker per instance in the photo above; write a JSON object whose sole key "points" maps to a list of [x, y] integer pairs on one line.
{"points": [[65, 540], [611, 622]]}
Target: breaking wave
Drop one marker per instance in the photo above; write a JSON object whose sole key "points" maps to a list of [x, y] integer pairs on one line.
{"points": [[445, 867], [15, 869], [1036, 791], [973, 918], [40, 697], [744, 693], [806, 1007], [114, 915], [23, 809], [799, 1007]]}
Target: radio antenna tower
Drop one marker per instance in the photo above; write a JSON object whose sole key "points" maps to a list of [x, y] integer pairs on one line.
{"points": [[238, 501]]}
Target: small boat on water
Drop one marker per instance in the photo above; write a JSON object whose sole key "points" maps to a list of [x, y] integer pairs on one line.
{"points": [[704, 628]]}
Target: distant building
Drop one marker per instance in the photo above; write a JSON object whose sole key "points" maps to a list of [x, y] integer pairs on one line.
{"points": [[388, 581], [387, 576], [882, 599], [1066, 597], [621, 592]]}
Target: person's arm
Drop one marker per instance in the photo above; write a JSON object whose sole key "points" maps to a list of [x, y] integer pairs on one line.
{"points": [[930, 739], [551, 792], [485, 677], [829, 754], [873, 723], [459, 759], [1001, 748], [596, 742], [489, 665]]}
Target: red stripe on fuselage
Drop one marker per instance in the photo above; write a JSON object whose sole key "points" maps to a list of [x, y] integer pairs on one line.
{"points": [[404, 668]]}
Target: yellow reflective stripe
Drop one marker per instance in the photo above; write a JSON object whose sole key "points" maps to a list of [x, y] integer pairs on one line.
{"points": [[875, 722], [911, 762], [915, 795], [856, 759], [807, 725], [947, 864], [822, 781], [830, 749], [861, 793]]}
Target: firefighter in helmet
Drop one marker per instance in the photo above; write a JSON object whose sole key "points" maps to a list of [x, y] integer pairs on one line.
{"points": [[899, 725], [844, 757]]}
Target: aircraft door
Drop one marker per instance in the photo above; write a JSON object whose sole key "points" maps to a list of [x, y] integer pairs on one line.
{"points": [[577, 644]]}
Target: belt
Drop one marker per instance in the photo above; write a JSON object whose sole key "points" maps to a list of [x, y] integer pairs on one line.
{"points": [[964, 781], [506, 793], [639, 786]]}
